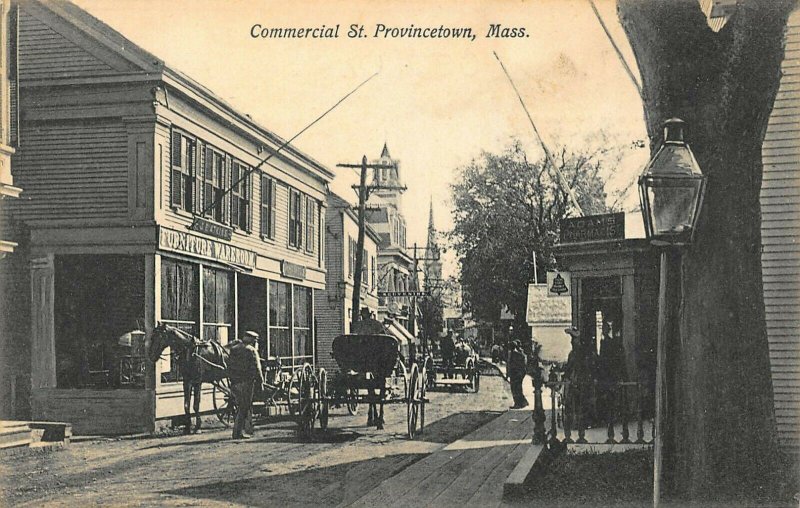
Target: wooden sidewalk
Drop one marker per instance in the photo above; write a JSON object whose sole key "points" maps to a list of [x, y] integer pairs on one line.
{"points": [[468, 472]]}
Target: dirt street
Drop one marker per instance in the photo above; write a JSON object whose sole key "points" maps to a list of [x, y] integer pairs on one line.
{"points": [[274, 468]]}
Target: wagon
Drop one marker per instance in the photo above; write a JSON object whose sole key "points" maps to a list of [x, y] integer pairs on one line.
{"points": [[371, 373], [281, 391], [463, 372]]}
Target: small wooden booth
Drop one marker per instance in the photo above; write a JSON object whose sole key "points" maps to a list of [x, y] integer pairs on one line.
{"points": [[614, 286]]}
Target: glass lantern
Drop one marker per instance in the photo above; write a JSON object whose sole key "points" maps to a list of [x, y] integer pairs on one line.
{"points": [[671, 189]]}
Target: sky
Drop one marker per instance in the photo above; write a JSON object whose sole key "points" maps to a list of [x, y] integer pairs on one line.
{"points": [[437, 103]]}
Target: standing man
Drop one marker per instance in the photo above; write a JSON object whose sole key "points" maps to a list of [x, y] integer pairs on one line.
{"points": [[448, 348], [517, 364], [244, 368]]}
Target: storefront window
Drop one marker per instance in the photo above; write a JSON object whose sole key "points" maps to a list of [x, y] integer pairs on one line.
{"points": [[179, 305], [279, 319], [217, 305], [303, 338], [97, 299]]}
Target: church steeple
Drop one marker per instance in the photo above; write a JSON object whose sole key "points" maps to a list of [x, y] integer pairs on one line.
{"points": [[433, 265], [385, 152]]}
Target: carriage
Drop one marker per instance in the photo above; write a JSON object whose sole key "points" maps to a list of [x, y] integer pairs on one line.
{"points": [[371, 372], [462, 372]]}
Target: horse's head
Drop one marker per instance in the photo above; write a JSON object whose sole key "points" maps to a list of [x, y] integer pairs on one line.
{"points": [[159, 340]]}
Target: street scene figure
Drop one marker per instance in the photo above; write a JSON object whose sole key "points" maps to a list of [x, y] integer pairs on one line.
{"points": [[517, 367], [447, 347], [368, 325], [244, 368]]}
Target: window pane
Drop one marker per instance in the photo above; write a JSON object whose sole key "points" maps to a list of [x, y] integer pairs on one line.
{"points": [[301, 301], [302, 343], [280, 343]]}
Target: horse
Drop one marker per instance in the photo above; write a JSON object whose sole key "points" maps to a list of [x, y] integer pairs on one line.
{"points": [[199, 361]]}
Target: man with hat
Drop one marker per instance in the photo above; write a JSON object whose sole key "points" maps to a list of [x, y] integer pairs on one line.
{"points": [[517, 363], [244, 369]]}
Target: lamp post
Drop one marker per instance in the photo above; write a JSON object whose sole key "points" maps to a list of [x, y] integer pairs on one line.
{"points": [[671, 190]]}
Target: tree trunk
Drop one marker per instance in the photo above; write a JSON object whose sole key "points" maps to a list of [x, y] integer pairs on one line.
{"points": [[721, 434]]}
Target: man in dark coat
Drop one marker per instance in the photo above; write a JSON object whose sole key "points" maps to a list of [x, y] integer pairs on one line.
{"points": [[517, 364], [244, 369], [448, 348], [368, 325]]}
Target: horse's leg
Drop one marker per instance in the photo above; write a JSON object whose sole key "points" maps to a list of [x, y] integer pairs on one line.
{"points": [[380, 417], [197, 390], [187, 398], [370, 408]]}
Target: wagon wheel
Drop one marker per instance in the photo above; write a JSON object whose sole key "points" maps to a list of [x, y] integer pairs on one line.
{"points": [[324, 408], [308, 406], [412, 404], [404, 371], [423, 390], [430, 372], [293, 393], [224, 403], [352, 400]]}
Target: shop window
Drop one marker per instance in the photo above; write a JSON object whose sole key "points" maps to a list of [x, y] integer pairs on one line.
{"points": [[182, 193], [240, 196], [280, 344], [218, 305], [179, 305], [214, 181], [268, 200], [303, 338], [311, 208], [98, 299], [295, 218]]}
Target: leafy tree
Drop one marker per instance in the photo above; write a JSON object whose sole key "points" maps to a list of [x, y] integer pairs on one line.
{"points": [[505, 209], [720, 437]]}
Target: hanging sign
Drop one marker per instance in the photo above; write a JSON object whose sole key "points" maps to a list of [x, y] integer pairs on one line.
{"points": [[178, 241], [404, 293], [207, 227], [559, 284], [593, 228]]}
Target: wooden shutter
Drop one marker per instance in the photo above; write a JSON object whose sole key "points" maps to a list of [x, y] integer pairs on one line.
{"points": [[273, 206], [175, 177], [249, 191], [208, 179], [197, 177]]}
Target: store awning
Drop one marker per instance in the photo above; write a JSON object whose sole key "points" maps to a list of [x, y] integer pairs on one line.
{"points": [[400, 333]]}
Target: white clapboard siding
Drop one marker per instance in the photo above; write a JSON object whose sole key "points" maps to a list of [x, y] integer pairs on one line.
{"points": [[277, 248], [780, 208], [72, 171]]}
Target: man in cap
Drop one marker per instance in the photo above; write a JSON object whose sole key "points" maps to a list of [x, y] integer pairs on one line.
{"points": [[244, 369], [517, 363]]}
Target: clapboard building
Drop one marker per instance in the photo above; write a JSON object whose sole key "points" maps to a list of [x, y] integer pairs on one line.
{"points": [[127, 223]]}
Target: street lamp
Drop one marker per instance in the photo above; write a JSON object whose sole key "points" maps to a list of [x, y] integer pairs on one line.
{"points": [[671, 190]]}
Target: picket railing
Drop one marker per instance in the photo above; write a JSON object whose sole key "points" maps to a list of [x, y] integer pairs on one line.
{"points": [[618, 407]]}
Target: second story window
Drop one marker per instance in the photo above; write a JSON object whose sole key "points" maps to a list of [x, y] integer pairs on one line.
{"points": [[182, 193], [240, 196], [295, 219], [373, 272], [268, 201], [214, 184], [352, 246], [311, 210]]}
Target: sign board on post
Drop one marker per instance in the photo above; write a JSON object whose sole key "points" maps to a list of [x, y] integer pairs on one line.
{"points": [[559, 284], [593, 228]]}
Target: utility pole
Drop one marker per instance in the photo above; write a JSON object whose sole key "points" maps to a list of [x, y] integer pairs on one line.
{"points": [[363, 196]]}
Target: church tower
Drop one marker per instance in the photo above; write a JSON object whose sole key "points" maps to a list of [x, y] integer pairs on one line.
{"points": [[388, 177], [433, 263]]}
